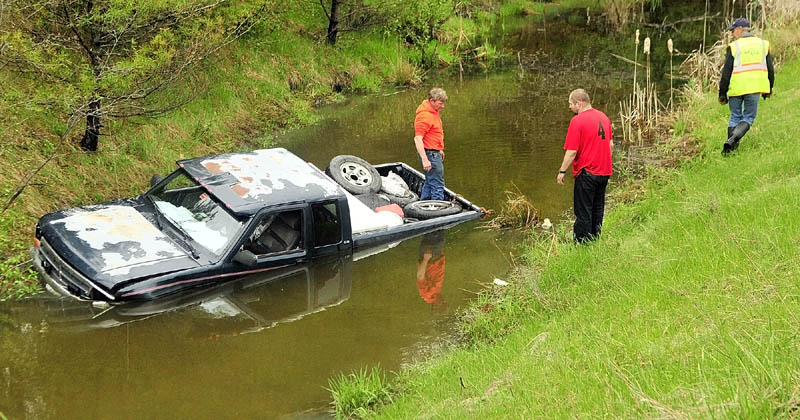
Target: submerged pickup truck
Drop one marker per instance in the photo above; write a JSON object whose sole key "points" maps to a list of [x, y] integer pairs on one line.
{"points": [[217, 219]]}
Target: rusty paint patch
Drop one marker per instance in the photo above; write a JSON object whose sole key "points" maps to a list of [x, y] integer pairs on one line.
{"points": [[240, 190], [262, 172], [213, 167]]}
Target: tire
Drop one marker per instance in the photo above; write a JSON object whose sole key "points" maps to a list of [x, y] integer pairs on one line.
{"points": [[155, 180], [354, 174], [403, 201], [428, 209], [373, 200]]}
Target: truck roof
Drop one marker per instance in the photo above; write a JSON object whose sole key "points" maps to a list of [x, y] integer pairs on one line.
{"points": [[249, 181]]}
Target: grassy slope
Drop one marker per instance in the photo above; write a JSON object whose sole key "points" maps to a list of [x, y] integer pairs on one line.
{"points": [[687, 308]]}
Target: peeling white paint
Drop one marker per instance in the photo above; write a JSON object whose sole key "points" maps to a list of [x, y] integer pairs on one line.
{"points": [[264, 171], [112, 225]]}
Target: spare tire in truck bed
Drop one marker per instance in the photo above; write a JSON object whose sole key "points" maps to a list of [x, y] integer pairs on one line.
{"points": [[428, 209], [354, 174]]}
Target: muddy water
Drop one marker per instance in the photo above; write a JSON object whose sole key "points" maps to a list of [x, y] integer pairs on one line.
{"points": [[265, 347]]}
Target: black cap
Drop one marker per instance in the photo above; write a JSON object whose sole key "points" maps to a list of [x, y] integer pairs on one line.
{"points": [[739, 23]]}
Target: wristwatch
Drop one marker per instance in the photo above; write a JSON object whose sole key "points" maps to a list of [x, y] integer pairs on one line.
{"points": [[562, 172]]}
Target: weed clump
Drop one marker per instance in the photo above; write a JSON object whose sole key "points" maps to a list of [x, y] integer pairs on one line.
{"points": [[517, 212]]}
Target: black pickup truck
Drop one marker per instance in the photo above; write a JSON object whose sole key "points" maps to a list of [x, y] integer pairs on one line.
{"points": [[217, 219]]}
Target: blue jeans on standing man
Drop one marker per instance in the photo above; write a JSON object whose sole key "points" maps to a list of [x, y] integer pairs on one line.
{"points": [[433, 188], [743, 108]]}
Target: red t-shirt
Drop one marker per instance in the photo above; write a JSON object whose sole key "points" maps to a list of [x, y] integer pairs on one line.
{"points": [[590, 134], [428, 124]]}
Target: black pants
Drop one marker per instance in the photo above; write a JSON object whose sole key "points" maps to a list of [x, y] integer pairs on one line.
{"points": [[589, 200]]}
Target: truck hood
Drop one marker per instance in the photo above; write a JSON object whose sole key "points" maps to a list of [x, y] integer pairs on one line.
{"points": [[113, 242]]}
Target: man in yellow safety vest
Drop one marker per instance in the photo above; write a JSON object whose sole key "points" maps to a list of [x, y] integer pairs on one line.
{"points": [[747, 73]]}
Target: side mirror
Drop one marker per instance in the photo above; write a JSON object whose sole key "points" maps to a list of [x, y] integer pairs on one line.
{"points": [[155, 180], [246, 257]]}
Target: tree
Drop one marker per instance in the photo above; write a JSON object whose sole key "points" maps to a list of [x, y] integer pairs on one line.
{"points": [[99, 59], [348, 15]]}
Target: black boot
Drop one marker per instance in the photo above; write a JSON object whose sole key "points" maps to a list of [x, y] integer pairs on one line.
{"points": [[726, 148], [735, 134], [739, 131]]}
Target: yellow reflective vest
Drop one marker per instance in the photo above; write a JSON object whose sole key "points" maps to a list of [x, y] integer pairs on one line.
{"points": [[749, 66]]}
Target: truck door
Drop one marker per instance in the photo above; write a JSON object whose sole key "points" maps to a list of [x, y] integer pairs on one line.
{"points": [[328, 235]]}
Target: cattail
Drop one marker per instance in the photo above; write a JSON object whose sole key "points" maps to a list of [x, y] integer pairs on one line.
{"points": [[647, 52], [669, 48], [635, 60]]}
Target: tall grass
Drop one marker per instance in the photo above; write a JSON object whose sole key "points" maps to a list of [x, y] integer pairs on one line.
{"points": [[356, 394]]}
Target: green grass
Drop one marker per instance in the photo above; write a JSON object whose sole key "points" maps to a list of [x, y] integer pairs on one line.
{"points": [[687, 307], [355, 394]]}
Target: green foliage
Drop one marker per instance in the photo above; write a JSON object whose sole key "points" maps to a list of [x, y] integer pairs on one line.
{"points": [[418, 24], [18, 277], [356, 394], [121, 52], [366, 82]]}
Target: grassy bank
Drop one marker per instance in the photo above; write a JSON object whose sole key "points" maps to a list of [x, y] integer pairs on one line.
{"points": [[686, 308]]}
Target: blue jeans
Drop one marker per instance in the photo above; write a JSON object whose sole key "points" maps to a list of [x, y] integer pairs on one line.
{"points": [[743, 108], [433, 188]]}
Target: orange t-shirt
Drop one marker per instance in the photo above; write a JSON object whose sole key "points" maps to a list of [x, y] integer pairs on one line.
{"points": [[430, 286], [428, 124]]}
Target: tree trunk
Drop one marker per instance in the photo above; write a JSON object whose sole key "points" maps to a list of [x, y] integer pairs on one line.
{"points": [[333, 22], [92, 133]]}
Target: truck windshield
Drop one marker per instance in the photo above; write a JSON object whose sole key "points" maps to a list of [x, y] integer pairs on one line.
{"points": [[195, 213]]}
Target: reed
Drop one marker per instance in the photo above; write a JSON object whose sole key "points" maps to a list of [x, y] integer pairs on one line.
{"points": [[670, 49], [704, 66], [640, 114], [635, 59], [647, 53]]}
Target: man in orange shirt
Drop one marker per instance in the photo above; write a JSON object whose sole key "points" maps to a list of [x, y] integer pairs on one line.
{"points": [[429, 141], [430, 267]]}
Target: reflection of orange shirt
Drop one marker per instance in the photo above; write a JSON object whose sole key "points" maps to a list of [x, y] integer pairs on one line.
{"points": [[430, 286], [428, 124]]}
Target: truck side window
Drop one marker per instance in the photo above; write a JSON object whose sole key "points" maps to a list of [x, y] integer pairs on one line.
{"points": [[327, 229], [276, 233]]}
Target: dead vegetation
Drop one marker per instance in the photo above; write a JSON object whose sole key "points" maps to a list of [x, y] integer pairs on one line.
{"points": [[517, 213]]}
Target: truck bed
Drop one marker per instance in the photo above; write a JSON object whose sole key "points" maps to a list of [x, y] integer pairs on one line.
{"points": [[415, 180]]}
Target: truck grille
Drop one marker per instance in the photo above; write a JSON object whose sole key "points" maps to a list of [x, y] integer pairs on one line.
{"points": [[63, 273]]}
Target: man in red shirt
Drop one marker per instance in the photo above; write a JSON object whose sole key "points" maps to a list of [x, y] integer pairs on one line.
{"points": [[588, 148], [429, 142]]}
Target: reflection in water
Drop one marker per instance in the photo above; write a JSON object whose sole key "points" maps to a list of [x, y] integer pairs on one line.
{"points": [[248, 305], [430, 269], [261, 347]]}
